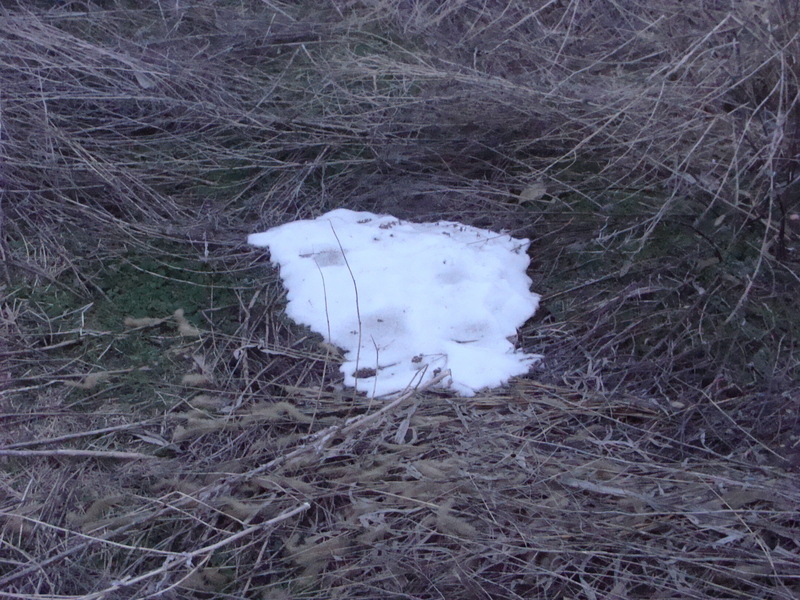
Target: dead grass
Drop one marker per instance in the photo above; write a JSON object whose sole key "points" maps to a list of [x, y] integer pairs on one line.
{"points": [[167, 433]]}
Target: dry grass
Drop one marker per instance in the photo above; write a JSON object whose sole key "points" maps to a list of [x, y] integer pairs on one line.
{"points": [[203, 448]]}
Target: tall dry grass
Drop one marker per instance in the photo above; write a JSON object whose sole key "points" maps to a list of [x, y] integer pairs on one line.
{"points": [[649, 151]]}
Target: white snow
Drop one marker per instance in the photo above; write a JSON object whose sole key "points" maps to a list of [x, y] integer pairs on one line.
{"points": [[406, 301]]}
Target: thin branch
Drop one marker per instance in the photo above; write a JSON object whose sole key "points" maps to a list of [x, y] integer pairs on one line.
{"points": [[73, 436], [79, 454]]}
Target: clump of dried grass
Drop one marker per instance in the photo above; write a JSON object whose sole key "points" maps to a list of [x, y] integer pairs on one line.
{"points": [[650, 153]]}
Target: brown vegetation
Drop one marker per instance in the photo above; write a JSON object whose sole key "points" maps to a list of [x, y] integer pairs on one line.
{"points": [[165, 432]]}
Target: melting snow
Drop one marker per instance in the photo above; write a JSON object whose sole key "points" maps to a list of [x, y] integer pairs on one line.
{"points": [[406, 301]]}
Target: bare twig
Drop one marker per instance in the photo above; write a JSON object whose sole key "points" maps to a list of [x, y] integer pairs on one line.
{"points": [[78, 454], [173, 563], [74, 436]]}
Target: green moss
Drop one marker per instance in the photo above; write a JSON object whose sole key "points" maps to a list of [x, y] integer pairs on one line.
{"points": [[147, 362], [143, 286]]}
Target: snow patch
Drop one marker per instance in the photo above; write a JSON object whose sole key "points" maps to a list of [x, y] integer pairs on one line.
{"points": [[406, 301]]}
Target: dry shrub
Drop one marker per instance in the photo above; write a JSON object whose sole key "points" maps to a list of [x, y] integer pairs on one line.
{"points": [[650, 152]]}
